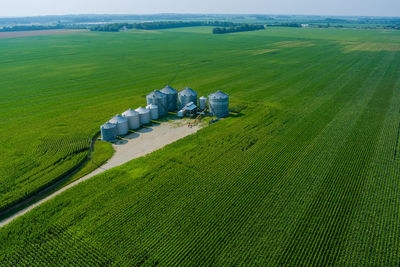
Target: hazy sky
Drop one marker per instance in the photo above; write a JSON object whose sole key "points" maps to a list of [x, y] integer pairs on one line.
{"points": [[10, 8]]}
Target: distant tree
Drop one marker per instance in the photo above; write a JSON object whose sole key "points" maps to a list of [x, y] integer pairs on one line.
{"points": [[238, 28], [160, 25], [31, 28]]}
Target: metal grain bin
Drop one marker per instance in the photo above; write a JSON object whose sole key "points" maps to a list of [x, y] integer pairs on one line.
{"points": [[108, 132], [187, 95], [172, 97], [144, 115], [133, 119], [219, 104], [160, 100], [121, 123], [153, 111], [202, 103]]}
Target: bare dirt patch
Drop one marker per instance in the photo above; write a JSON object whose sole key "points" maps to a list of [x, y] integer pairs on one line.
{"points": [[35, 33]]}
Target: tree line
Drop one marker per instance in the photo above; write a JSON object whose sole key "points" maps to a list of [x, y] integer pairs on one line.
{"points": [[112, 27], [30, 28], [285, 24], [40, 27], [115, 27], [238, 28], [179, 24]]}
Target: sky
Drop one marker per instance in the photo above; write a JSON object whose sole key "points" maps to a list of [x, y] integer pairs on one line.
{"points": [[10, 8]]}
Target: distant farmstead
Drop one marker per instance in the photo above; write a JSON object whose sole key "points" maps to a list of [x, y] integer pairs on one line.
{"points": [[161, 103]]}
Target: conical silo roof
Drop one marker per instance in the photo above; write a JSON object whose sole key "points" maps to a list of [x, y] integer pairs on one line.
{"points": [[188, 92], [156, 94], [142, 110], [169, 90], [130, 112], [108, 125], [218, 95], [118, 119]]}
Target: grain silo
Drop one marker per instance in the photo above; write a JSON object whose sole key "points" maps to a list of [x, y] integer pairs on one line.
{"points": [[202, 103], [153, 111], [219, 104], [133, 119], [108, 132], [160, 100], [186, 96], [172, 97], [144, 115], [121, 123]]}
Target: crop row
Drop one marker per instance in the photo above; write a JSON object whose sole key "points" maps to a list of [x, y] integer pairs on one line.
{"points": [[313, 181], [38, 167]]}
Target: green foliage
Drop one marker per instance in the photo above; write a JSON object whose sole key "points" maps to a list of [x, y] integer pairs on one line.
{"points": [[31, 28], [102, 151], [238, 28], [179, 24], [112, 27], [223, 26], [157, 25], [306, 174], [285, 24], [33, 168]]}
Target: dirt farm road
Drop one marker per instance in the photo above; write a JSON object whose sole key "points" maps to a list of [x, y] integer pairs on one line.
{"points": [[134, 145]]}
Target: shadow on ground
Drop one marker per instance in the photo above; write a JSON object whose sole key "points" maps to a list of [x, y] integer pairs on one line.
{"points": [[133, 134]]}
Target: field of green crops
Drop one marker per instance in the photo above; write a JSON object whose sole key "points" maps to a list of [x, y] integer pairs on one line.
{"points": [[307, 174]]}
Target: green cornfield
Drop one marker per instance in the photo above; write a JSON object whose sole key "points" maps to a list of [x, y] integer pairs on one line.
{"points": [[307, 174]]}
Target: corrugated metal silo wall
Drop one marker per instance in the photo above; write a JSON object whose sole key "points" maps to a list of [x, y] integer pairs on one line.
{"points": [[108, 134], [144, 118], [164, 106], [202, 104], [122, 128], [154, 113], [184, 99], [172, 100], [160, 102], [219, 107], [133, 122]]}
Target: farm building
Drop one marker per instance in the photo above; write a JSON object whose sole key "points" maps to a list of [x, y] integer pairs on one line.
{"points": [[186, 96], [172, 97], [189, 108], [219, 104]]}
